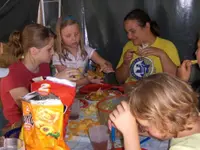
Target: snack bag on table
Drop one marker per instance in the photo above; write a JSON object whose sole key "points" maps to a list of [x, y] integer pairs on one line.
{"points": [[43, 112]]}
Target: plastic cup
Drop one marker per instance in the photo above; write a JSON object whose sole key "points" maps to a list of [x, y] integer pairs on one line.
{"points": [[12, 143], [75, 110], [2, 141], [99, 137]]}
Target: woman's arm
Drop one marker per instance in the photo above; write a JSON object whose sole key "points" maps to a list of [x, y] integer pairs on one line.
{"points": [[17, 94], [122, 73], [167, 64]]}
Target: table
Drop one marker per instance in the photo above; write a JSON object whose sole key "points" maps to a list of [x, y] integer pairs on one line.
{"points": [[82, 141]]}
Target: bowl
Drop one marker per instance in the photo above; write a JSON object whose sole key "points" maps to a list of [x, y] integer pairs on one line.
{"points": [[106, 106], [128, 87]]}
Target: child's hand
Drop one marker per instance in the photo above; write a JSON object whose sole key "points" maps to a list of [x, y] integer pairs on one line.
{"points": [[106, 67], [69, 74], [122, 118], [184, 70], [96, 80]]}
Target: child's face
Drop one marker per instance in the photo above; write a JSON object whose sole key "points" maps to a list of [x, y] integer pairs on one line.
{"points": [[198, 52], [152, 130], [71, 36]]}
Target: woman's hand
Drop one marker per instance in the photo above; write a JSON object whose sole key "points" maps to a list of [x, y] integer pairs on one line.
{"points": [[122, 118], [106, 67], [69, 74], [151, 51], [128, 56], [184, 70]]}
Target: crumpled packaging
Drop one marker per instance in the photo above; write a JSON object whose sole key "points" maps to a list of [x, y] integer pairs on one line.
{"points": [[45, 115]]}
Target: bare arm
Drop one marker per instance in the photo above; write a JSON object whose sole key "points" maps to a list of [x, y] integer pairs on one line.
{"points": [[167, 64], [72, 74], [125, 122], [82, 81], [105, 65], [122, 73], [97, 58], [131, 139], [17, 93]]}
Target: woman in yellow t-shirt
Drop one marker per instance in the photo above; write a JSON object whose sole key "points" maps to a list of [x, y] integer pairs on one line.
{"points": [[145, 53]]}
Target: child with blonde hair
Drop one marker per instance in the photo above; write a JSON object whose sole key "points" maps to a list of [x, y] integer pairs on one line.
{"points": [[165, 107], [73, 54]]}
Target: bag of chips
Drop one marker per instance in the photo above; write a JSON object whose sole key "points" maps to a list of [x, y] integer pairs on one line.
{"points": [[43, 112]]}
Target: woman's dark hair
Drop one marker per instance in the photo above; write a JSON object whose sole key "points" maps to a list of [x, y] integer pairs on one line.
{"points": [[142, 18]]}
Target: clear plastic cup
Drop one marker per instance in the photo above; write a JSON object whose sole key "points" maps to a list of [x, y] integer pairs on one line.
{"points": [[2, 141], [99, 137], [75, 110], [13, 143]]}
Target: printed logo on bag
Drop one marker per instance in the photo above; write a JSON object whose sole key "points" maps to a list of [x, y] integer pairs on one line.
{"points": [[141, 67], [27, 117]]}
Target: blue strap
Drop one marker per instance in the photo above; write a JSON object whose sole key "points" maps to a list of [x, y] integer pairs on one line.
{"points": [[13, 131]]}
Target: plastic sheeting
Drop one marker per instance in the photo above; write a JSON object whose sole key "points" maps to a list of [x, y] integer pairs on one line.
{"points": [[102, 23], [15, 14]]}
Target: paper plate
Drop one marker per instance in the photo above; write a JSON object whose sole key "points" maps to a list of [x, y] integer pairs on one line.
{"points": [[111, 93]]}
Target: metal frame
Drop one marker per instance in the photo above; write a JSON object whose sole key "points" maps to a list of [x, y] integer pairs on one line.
{"points": [[42, 2]]}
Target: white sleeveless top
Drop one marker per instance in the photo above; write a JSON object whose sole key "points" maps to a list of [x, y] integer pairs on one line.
{"points": [[76, 62]]}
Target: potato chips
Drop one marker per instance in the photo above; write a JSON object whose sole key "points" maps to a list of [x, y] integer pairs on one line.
{"points": [[44, 115]]}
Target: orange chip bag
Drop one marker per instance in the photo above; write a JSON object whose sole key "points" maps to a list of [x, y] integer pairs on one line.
{"points": [[43, 114]]}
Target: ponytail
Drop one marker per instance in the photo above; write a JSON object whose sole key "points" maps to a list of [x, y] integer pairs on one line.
{"points": [[155, 28], [14, 46], [12, 51], [142, 18]]}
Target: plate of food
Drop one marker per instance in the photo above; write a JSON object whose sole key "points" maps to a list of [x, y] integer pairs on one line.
{"points": [[94, 87], [97, 73], [101, 94], [83, 103]]}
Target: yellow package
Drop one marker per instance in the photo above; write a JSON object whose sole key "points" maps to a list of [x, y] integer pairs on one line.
{"points": [[43, 122]]}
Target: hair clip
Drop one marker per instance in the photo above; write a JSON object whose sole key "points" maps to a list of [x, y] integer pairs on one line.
{"points": [[69, 17]]}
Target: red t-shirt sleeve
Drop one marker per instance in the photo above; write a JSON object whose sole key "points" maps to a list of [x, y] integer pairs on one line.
{"points": [[13, 80], [20, 77]]}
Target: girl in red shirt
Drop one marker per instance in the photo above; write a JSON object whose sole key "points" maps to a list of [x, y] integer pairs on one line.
{"points": [[35, 46]]}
